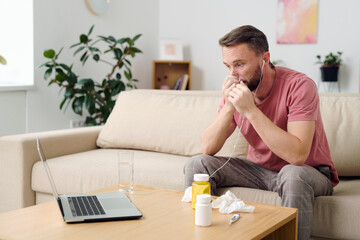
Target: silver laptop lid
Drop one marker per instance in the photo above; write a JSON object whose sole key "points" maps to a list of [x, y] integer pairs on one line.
{"points": [[47, 169]]}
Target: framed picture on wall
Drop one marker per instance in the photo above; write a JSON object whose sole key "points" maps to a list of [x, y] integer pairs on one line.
{"points": [[171, 49], [297, 21]]}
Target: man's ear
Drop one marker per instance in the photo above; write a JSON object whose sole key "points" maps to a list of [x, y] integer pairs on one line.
{"points": [[266, 56]]}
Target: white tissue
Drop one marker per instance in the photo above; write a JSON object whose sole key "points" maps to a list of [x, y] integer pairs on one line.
{"points": [[226, 203], [229, 203], [187, 195]]}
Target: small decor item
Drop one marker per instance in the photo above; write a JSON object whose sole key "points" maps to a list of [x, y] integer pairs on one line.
{"points": [[330, 66], [97, 97], [171, 50], [297, 21], [162, 82], [2, 60], [97, 7]]}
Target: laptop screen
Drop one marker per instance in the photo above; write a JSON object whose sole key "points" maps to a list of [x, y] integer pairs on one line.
{"points": [[47, 169]]}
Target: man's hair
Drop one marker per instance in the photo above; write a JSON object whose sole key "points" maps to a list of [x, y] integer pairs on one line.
{"points": [[250, 35]]}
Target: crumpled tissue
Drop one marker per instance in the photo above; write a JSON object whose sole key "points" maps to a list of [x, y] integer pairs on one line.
{"points": [[187, 195], [226, 203], [229, 203]]}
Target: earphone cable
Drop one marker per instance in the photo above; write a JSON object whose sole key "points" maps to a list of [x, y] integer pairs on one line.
{"points": [[231, 154], [241, 125]]}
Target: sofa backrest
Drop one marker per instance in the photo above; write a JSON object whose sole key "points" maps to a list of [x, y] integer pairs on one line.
{"points": [[164, 121], [172, 122], [340, 113]]}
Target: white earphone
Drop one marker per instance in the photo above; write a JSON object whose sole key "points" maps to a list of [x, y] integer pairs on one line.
{"points": [[262, 67]]}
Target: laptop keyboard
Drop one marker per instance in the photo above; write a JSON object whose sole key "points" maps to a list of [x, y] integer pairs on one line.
{"points": [[85, 206]]}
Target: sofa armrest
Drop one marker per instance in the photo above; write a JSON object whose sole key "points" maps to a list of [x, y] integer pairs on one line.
{"points": [[19, 153]]}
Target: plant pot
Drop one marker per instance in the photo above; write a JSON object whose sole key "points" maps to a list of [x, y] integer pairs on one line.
{"points": [[329, 73]]}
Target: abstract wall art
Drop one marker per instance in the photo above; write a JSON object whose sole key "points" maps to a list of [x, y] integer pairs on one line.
{"points": [[297, 21]]}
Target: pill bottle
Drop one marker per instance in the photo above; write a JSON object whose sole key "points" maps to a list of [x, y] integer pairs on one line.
{"points": [[203, 210], [200, 185]]}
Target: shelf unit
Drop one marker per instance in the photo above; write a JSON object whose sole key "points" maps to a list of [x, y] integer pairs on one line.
{"points": [[167, 72]]}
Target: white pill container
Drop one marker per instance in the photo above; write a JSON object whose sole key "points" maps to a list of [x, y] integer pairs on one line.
{"points": [[203, 210]]}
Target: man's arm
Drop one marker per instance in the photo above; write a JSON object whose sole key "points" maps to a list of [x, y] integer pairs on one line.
{"points": [[293, 145], [214, 136]]}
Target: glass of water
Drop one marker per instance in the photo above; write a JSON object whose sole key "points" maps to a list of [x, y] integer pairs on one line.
{"points": [[126, 171]]}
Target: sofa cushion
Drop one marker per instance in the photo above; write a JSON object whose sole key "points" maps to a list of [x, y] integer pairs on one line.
{"points": [[341, 116], [96, 169], [338, 216], [164, 121]]}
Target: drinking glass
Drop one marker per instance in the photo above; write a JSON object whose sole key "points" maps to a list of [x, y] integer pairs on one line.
{"points": [[125, 171]]}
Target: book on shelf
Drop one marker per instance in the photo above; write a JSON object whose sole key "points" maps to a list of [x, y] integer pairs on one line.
{"points": [[182, 82]]}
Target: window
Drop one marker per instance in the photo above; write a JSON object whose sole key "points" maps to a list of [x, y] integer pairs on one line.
{"points": [[16, 44]]}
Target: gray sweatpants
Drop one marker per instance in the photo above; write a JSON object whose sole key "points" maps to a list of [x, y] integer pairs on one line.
{"points": [[296, 185]]}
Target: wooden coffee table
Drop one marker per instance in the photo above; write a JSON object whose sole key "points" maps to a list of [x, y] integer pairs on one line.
{"points": [[164, 217]]}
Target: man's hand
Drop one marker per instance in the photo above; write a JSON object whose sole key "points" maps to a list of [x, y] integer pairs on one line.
{"points": [[215, 135], [228, 85], [241, 98]]}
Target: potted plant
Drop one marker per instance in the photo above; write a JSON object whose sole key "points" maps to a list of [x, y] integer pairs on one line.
{"points": [[97, 97], [330, 66]]}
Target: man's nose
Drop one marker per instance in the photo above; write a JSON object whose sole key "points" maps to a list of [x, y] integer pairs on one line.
{"points": [[232, 72]]}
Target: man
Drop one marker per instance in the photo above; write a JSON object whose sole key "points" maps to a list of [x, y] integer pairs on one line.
{"points": [[277, 111]]}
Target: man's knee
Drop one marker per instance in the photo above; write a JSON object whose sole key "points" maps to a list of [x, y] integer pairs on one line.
{"points": [[293, 172], [294, 179], [196, 163]]}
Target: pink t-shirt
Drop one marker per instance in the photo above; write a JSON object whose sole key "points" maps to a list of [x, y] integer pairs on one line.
{"points": [[293, 97]]}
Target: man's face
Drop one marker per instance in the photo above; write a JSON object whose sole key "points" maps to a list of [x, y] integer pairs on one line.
{"points": [[243, 64]]}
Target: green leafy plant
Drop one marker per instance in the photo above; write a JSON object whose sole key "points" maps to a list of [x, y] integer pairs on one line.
{"points": [[330, 59], [98, 98], [277, 62]]}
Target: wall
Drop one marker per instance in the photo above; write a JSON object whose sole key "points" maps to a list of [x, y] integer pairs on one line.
{"points": [[58, 24], [199, 24], [13, 112]]}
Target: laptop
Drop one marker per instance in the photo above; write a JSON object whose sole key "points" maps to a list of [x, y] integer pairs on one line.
{"points": [[95, 207]]}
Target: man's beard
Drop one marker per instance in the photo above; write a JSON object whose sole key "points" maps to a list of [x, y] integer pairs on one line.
{"points": [[254, 82]]}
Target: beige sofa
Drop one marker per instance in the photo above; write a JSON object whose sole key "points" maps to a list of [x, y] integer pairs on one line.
{"points": [[163, 128]]}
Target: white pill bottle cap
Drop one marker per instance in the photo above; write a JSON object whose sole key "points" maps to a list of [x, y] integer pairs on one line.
{"points": [[201, 177], [203, 198]]}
